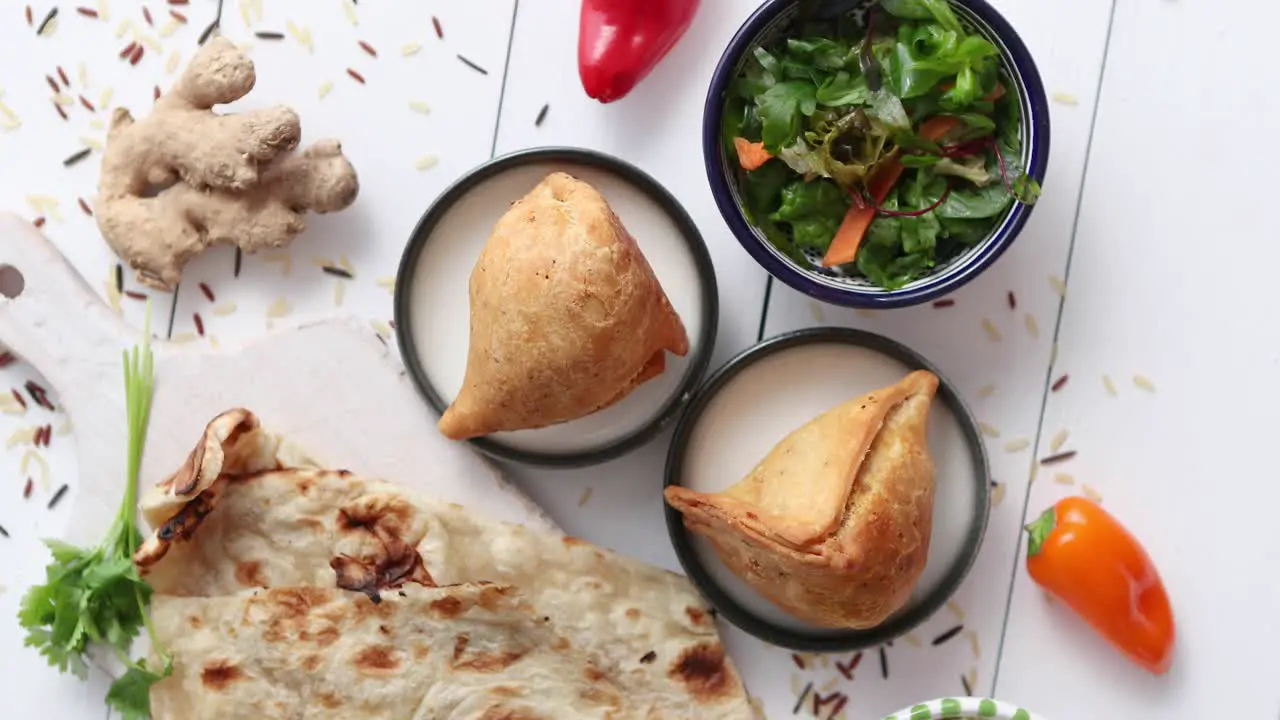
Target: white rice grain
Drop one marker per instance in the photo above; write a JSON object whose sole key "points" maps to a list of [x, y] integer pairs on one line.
{"points": [[10, 406], [325, 88], [382, 328], [388, 283], [1033, 327], [1143, 383], [409, 49], [1065, 98], [1110, 386], [30, 457], [91, 143], [1059, 439], [279, 309], [1058, 285], [104, 13], [22, 436], [1017, 445], [815, 310], [990, 329], [986, 391], [1091, 493], [973, 644], [1064, 478], [171, 63], [997, 495], [988, 430], [349, 9], [339, 292], [152, 44], [63, 429], [214, 343], [224, 309], [125, 26], [419, 107], [169, 28], [284, 258], [183, 338], [426, 162], [912, 639], [956, 610], [82, 75]]}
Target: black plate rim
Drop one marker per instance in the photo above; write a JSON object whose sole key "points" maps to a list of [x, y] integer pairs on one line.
{"points": [[699, 360], [724, 603]]}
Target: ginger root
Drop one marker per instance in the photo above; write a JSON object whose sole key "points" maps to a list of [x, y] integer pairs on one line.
{"points": [[185, 178]]}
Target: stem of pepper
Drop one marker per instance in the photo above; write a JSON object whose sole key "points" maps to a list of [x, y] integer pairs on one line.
{"points": [[1038, 530]]}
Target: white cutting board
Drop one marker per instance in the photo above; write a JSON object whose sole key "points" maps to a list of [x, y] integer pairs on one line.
{"points": [[330, 387]]}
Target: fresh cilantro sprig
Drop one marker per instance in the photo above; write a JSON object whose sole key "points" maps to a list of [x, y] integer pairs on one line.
{"points": [[96, 595]]}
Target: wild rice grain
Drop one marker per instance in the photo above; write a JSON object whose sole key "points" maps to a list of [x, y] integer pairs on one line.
{"points": [[367, 48], [435, 23], [1142, 383], [207, 32], [337, 272], [53, 84], [84, 205], [62, 75], [944, 303], [1110, 386], [195, 317], [948, 635], [356, 76], [542, 115], [473, 66], [3, 531], [128, 49], [57, 497], [1013, 301], [18, 396], [208, 292], [268, 35], [76, 157], [87, 105], [7, 358], [87, 12], [239, 258], [44, 24], [38, 222], [137, 54], [1064, 479], [178, 16], [799, 661], [1059, 383], [799, 701], [178, 2], [26, 489], [846, 669], [884, 664], [135, 295], [1058, 458], [964, 681], [28, 15], [146, 15], [155, 92]]}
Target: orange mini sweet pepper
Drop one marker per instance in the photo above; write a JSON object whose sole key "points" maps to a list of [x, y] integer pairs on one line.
{"points": [[1082, 555]]}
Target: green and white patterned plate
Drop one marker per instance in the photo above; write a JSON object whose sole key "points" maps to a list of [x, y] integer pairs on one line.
{"points": [[963, 709]]}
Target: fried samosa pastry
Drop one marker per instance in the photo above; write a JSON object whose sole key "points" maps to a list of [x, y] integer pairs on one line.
{"points": [[567, 316], [833, 525]]}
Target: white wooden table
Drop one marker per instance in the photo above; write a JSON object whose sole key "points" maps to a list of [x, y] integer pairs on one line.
{"points": [[1155, 216]]}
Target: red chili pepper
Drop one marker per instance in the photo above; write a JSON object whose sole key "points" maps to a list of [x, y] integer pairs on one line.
{"points": [[621, 41], [1082, 555]]}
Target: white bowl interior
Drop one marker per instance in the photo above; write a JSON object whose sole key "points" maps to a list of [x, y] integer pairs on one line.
{"points": [[440, 319]]}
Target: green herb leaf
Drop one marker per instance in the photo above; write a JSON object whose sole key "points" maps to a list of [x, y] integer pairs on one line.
{"points": [[813, 210], [781, 108], [986, 202], [130, 694], [843, 89]]}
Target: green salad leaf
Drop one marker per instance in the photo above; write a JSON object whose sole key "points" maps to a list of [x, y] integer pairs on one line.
{"points": [[899, 115], [96, 595]]}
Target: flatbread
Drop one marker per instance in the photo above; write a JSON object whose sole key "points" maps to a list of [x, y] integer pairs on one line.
{"points": [[643, 630], [567, 316], [833, 526]]}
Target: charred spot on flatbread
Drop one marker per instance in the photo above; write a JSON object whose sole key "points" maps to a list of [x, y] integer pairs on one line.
{"points": [[218, 675], [481, 661], [395, 562], [704, 673], [377, 659]]}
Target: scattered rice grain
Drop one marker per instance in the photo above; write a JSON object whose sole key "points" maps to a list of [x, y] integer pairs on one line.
{"points": [[944, 303], [803, 696], [1058, 285], [48, 23], [988, 430], [104, 98], [990, 328], [367, 48], [410, 48], [1110, 386], [1017, 445], [349, 9], [119, 276], [64, 428], [997, 495], [1091, 493], [284, 258], [419, 106], [85, 11], [1059, 383], [146, 15], [3, 531], [1064, 478], [1143, 383], [64, 100], [214, 343], [53, 84], [425, 162], [345, 263], [136, 55], [103, 10], [224, 309], [123, 27], [84, 206], [815, 310], [208, 292], [1013, 301], [356, 76], [268, 35], [865, 313], [1058, 457], [169, 28], [472, 65], [279, 308], [884, 664], [948, 635], [435, 24], [153, 44], [913, 640], [22, 436], [302, 35], [968, 690], [76, 157], [26, 489], [33, 456], [199, 322], [388, 283], [27, 12], [178, 16], [1065, 98], [956, 610], [135, 295], [986, 391], [381, 328], [62, 75], [337, 271], [238, 262], [1059, 439], [9, 113], [57, 497], [39, 222], [244, 13], [87, 105], [339, 293], [325, 87], [1033, 327], [182, 338], [542, 115]]}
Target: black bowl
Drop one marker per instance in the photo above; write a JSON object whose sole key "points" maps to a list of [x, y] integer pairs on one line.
{"points": [[698, 563]]}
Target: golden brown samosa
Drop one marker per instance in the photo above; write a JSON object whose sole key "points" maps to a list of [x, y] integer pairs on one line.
{"points": [[567, 317], [833, 525]]}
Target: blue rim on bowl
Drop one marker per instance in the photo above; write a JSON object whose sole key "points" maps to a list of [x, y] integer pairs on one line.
{"points": [[1019, 68]]}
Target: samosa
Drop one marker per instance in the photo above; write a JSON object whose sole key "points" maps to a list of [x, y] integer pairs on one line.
{"points": [[833, 525], [567, 316]]}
